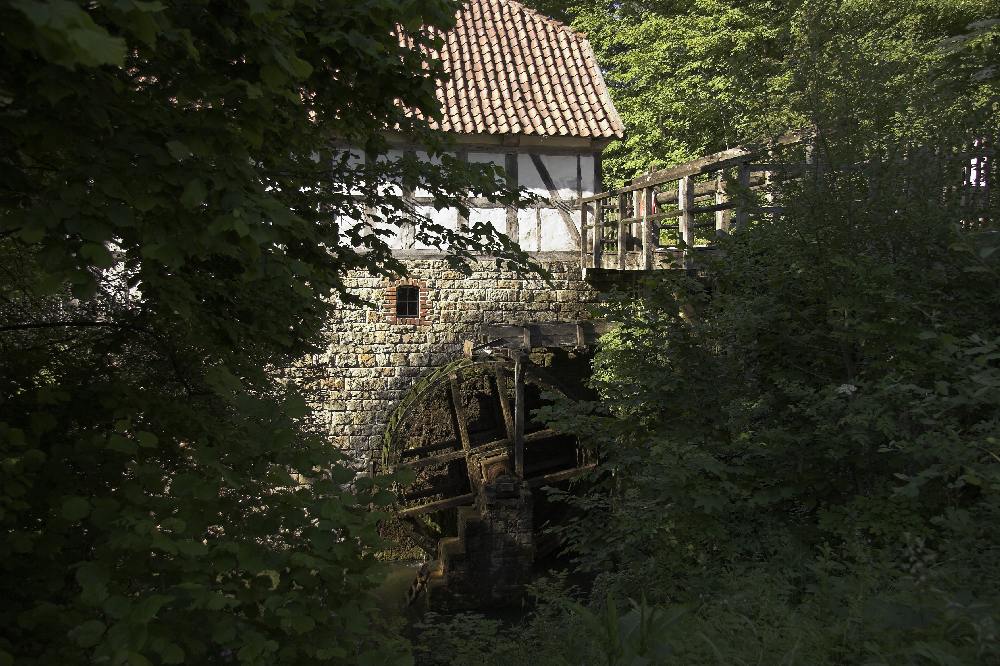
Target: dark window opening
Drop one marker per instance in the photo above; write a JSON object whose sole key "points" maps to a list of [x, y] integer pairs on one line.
{"points": [[408, 302]]}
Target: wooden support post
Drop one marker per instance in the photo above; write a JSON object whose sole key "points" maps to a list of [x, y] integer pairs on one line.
{"points": [[638, 214], [743, 180], [721, 197], [648, 236], [769, 184], [463, 429], [598, 231], [685, 202], [622, 230], [584, 245], [508, 414], [519, 408]]}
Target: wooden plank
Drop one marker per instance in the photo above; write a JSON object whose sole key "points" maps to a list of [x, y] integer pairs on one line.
{"points": [[430, 447], [556, 477], [649, 236], [743, 180], [431, 460], [694, 167], [554, 334], [712, 209], [598, 239], [722, 214], [519, 409], [508, 414], [714, 162], [700, 190], [440, 505], [463, 429], [622, 228], [685, 197], [510, 169]]}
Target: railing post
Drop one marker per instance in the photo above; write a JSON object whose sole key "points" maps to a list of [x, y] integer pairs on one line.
{"points": [[769, 184], [648, 241], [743, 180], [685, 202], [721, 197], [598, 231], [622, 229]]}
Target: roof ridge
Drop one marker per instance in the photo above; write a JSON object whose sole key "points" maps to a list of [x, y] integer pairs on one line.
{"points": [[534, 13]]}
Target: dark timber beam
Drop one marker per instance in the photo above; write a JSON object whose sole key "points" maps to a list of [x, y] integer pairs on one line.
{"points": [[458, 409], [508, 414], [519, 408]]}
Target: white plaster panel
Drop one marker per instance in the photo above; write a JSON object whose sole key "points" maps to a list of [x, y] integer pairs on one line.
{"points": [[527, 230], [587, 175], [422, 156], [527, 176], [562, 169], [496, 217], [397, 238], [555, 236], [446, 217]]}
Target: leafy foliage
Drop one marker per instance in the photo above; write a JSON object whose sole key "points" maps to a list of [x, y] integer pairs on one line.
{"points": [[174, 222], [694, 77], [802, 451]]}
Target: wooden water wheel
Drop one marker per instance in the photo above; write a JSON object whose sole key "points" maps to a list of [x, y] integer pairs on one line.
{"points": [[458, 429]]}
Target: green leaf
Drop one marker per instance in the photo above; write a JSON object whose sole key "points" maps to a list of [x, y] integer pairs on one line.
{"points": [[172, 653], [97, 254], [147, 440], [75, 509], [67, 36], [121, 444], [296, 407], [194, 193], [178, 150], [32, 233], [136, 659], [88, 634]]}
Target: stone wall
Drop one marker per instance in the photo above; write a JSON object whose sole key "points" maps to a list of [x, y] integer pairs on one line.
{"points": [[373, 358]]}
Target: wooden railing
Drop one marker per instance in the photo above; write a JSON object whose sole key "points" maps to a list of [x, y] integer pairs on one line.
{"points": [[665, 218]]}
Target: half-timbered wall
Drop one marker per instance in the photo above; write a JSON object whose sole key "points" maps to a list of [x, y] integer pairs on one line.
{"points": [[552, 225]]}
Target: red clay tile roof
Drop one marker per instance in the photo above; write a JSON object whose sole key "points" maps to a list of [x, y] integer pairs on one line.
{"points": [[515, 71]]}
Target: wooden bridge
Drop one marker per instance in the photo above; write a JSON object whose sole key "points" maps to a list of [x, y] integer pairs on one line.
{"points": [[666, 218]]}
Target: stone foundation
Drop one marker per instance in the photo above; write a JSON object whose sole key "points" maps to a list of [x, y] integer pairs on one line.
{"points": [[373, 357]]}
